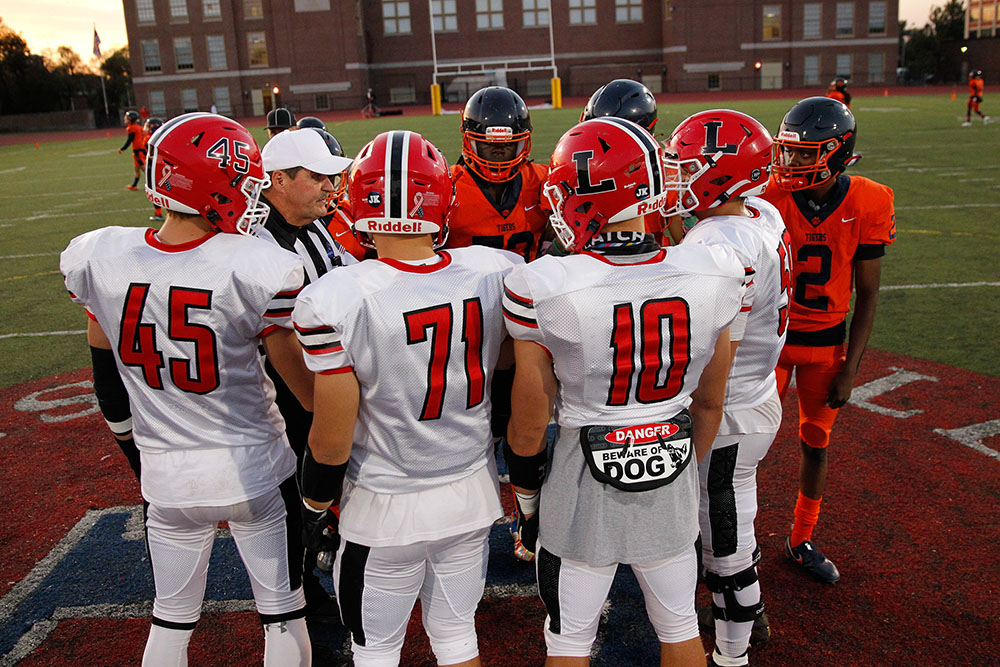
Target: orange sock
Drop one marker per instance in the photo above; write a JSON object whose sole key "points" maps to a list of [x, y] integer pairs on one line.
{"points": [[806, 516]]}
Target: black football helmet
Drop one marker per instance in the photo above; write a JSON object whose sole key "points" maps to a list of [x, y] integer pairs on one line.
{"points": [[976, 74], [311, 121], [152, 125], [495, 115], [330, 141], [623, 98], [131, 116], [817, 124]]}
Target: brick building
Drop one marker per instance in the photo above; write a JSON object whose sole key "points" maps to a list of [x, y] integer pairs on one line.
{"points": [[245, 56]]}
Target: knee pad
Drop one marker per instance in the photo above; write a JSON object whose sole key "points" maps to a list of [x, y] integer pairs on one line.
{"points": [[574, 645], [815, 436], [727, 587], [454, 644]]}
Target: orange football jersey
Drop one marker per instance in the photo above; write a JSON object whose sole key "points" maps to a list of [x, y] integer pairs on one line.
{"points": [[976, 87], [519, 228], [856, 224], [340, 229]]}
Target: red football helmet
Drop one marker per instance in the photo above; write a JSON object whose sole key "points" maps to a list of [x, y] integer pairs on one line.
{"points": [[603, 170], [400, 184], [714, 156], [208, 165]]}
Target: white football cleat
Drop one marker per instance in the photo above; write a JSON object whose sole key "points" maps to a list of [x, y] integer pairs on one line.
{"points": [[967, 123]]}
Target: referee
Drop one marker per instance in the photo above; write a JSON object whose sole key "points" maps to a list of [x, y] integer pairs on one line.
{"points": [[303, 174]]}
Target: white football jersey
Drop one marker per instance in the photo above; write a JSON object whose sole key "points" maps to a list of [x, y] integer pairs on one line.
{"points": [[628, 341], [764, 240], [422, 340], [185, 322]]}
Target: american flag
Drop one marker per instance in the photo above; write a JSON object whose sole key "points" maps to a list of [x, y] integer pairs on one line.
{"points": [[97, 45]]}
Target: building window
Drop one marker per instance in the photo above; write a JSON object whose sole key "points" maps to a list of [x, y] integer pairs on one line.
{"points": [[396, 17], [582, 12], [876, 18], [628, 11], [253, 9], [178, 10], [157, 106], [445, 15], [489, 14], [844, 65], [322, 102], [402, 94], [812, 20], [876, 67], [211, 9], [257, 49], [536, 13], [145, 10], [221, 97], [714, 82], [810, 71], [216, 51], [189, 99], [845, 19], [151, 55], [772, 22], [183, 53]]}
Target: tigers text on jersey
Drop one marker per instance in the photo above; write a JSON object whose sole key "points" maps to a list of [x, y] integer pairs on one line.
{"points": [[856, 224], [185, 322], [422, 341], [763, 239], [626, 339], [519, 228]]}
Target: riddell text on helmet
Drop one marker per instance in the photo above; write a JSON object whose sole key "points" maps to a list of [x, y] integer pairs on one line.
{"points": [[401, 227]]}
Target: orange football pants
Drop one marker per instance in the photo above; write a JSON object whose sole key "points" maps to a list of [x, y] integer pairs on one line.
{"points": [[815, 368]]}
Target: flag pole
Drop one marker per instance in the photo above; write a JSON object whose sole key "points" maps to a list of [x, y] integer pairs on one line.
{"points": [[97, 54]]}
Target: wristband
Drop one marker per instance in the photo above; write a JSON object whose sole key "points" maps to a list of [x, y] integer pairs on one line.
{"points": [[527, 472], [321, 482]]}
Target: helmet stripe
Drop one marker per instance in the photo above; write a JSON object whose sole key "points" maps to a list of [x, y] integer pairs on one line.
{"points": [[648, 145], [394, 174]]}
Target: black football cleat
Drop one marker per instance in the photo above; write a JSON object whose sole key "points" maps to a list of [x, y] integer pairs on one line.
{"points": [[813, 561]]}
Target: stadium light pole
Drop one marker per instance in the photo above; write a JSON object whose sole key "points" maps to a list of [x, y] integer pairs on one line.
{"points": [[556, 84]]}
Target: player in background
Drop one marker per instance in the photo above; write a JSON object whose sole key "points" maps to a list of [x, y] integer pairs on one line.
{"points": [[705, 156], [152, 125], [404, 347], [279, 120], [839, 227], [630, 342], [134, 138], [338, 219], [838, 91], [976, 88], [176, 316], [628, 99]]}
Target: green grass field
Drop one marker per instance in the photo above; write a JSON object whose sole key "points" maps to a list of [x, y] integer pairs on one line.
{"points": [[946, 179]]}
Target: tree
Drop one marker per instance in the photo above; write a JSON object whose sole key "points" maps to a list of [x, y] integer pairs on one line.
{"points": [[920, 48], [948, 21]]}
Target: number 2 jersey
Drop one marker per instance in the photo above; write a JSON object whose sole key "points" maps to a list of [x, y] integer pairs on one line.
{"points": [[185, 322], [762, 241], [856, 224], [423, 340]]}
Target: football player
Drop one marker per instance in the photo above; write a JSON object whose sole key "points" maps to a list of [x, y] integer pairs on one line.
{"points": [[838, 91], [839, 226], [404, 347], [152, 125], [176, 316], [630, 342], [134, 138], [976, 88], [718, 163]]}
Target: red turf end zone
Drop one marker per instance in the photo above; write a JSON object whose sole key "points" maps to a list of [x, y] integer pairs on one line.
{"points": [[909, 518]]}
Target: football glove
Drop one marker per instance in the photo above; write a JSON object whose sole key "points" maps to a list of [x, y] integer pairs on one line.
{"points": [[525, 532], [319, 529]]}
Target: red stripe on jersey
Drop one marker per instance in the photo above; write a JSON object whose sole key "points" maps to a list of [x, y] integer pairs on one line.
{"points": [[658, 257], [419, 268], [268, 331], [518, 299], [307, 330], [519, 320], [324, 350], [544, 348], [178, 247], [338, 371], [90, 315], [294, 292], [746, 309], [278, 313]]}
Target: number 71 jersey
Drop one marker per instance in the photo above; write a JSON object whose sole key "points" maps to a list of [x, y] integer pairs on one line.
{"points": [[628, 341], [423, 341]]}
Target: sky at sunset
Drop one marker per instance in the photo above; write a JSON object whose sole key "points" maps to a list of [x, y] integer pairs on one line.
{"points": [[48, 24]]}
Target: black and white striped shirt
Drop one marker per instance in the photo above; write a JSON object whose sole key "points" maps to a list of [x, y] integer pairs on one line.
{"points": [[319, 251]]}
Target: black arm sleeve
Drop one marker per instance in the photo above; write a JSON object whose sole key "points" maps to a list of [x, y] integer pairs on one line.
{"points": [[112, 397], [503, 381], [128, 141]]}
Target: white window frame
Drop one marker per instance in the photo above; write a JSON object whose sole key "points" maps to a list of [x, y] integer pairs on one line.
{"points": [[178, 11], [151, 61], [253, 9], [145, 11], [255, 40], [810, 70], [222, 100], [489, 14], [812, 20], [877, 17], [845, 64], [628, 11], [215, 46], [876, 67], [183, 47], [396, 17], [189, 99], [445, 13], [535, 13], [845, 19], [211, 9], [770, 16], [157, 103], [583, 12]]}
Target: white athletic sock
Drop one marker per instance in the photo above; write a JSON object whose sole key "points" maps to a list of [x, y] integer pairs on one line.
{"points": [[286, 644], [166, 647]]}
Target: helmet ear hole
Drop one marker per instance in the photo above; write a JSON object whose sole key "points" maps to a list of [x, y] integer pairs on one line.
{"points": [[584, 208], [221, 198], [721, 180]]}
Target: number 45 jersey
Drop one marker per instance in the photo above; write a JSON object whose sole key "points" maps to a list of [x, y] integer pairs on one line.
{"points": [[185, 322], [422, 339], [629, 341]]}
